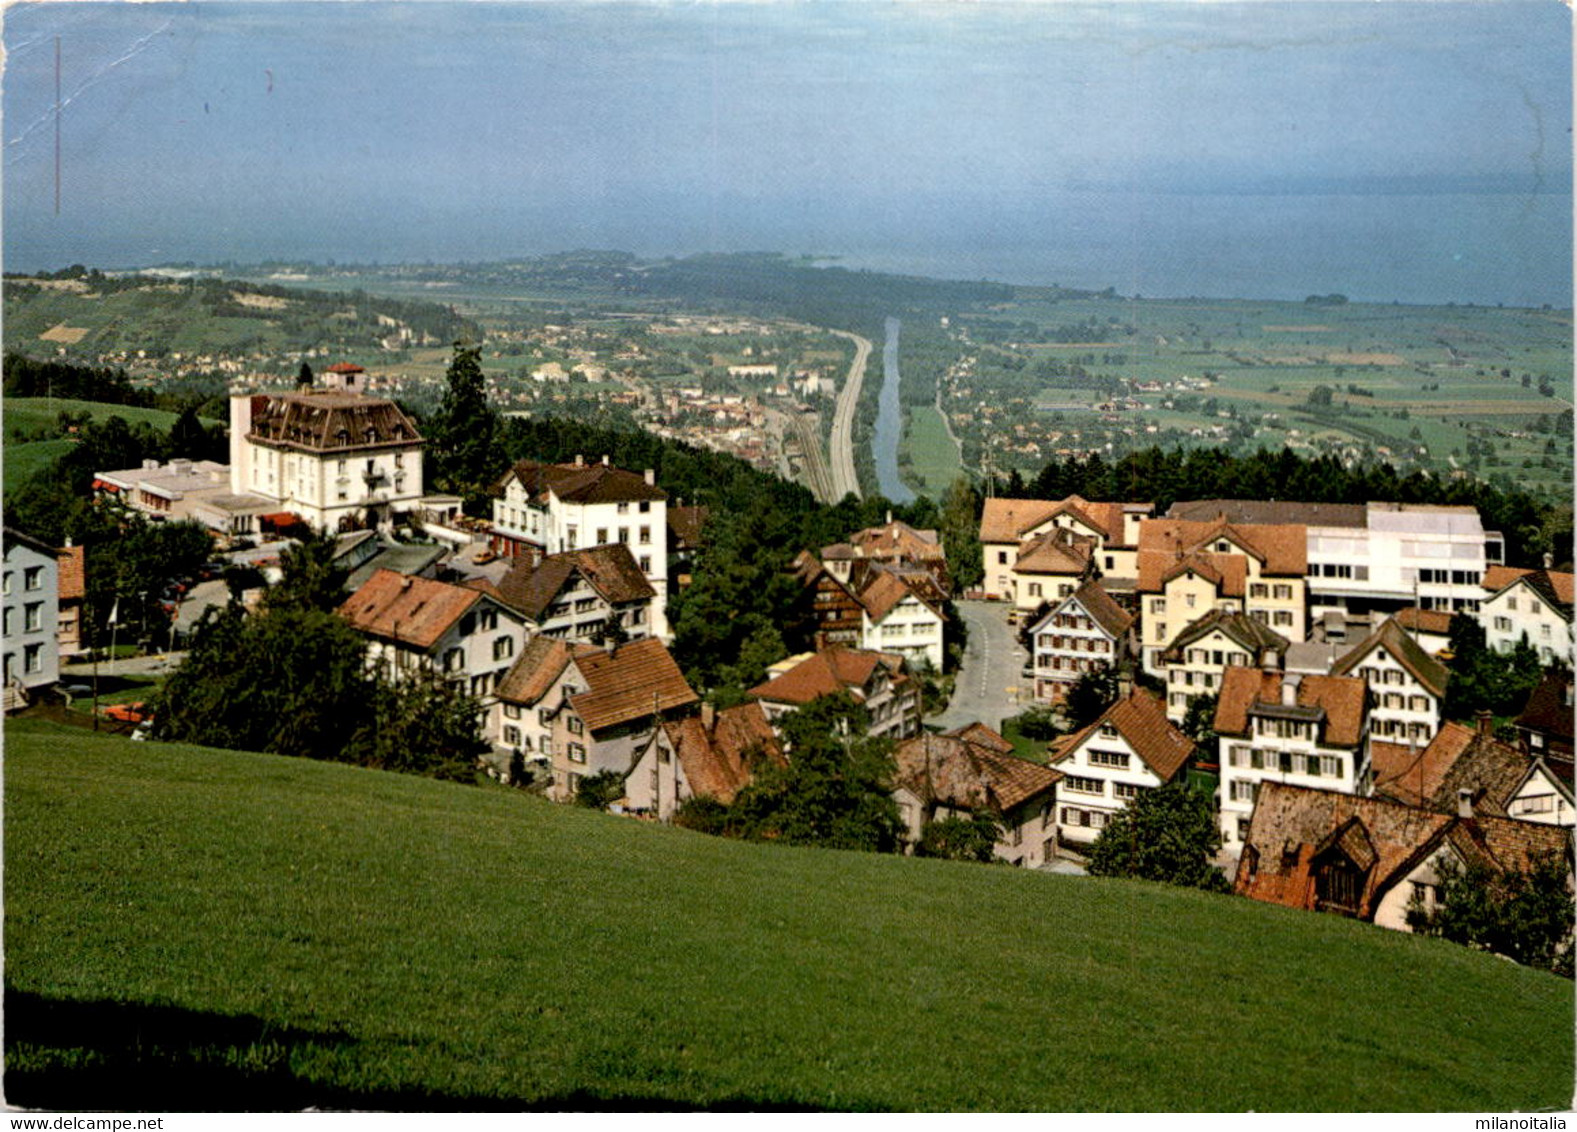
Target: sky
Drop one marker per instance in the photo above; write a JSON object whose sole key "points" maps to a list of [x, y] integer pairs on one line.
{"points": [[1030, 138]]}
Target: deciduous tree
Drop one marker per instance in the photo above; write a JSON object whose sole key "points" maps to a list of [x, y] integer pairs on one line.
{"points": [[1166, 834]]}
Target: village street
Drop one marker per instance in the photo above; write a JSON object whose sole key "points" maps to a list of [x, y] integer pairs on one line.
{"points": [[990, 680]]}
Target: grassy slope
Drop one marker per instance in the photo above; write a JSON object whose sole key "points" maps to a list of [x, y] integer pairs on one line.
{"points": [[344, 934]]}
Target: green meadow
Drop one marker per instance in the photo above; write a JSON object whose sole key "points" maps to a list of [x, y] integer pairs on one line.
{"points": [[194, 928], [928, 453]]}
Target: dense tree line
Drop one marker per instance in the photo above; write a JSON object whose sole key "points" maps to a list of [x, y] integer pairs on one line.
{"points": [[25, 377], [1531, 528]]}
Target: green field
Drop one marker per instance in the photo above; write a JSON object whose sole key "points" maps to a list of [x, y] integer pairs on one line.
{"points": [[23, 460], [189, 928], [33, 412], [930, 455]]}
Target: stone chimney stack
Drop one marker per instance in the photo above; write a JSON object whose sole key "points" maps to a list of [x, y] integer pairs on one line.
{"points": [[1483, 718], [1464, 803], [580, 460], [1289, 691], [708, 717], [651, 477], [604, 459]]}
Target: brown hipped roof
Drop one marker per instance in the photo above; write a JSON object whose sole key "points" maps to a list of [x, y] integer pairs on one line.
{"points": [[1408, 653], [1342, 699], [897, 539], [1227, 572], [720, 762], [407, 610], [886, 589], [627, 683], [582, 483], [1236, 627], [1005, 520], [610, 570], [1141, 721], [1415, 620], [827, 672], [1055, 552], [1497, 577], [329, 422], [951, 771], [982, 736], [1092, 597]]}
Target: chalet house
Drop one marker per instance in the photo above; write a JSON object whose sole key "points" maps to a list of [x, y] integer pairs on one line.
{"points": [[1006, 525], [334, 456], [418, 626], [1285, 727], [1085, 630], [1370, 858], [1187, 569], [1499, 779], [1132, 747], [573, 596], [73, 592], [970, 769], [835, 613], [31, 594], [1409, 685], [878, 681], [1197, 659], [719, 752], [545, 509], [1536, 604], [586, 710]]}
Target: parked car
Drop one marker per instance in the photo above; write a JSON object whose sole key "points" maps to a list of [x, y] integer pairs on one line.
{"points": [[128, 713]]}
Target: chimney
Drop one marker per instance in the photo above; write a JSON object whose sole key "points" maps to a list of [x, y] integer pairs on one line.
{"points": [[889, 518], [1482, 718], [1464, 803], [580, 461], [604, 459], [651, 478], [708, 717], [1549, 560], [1289, 691]]}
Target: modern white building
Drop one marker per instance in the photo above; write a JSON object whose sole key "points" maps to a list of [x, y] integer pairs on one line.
{"points": [[1308, 731], [545, 509], [334, 456], [1377, 557], [30, 587]]}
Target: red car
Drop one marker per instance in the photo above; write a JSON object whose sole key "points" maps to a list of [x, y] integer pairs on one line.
{"points": [[128, 713]]}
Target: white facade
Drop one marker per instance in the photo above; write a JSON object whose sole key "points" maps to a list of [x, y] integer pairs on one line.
{"points": [[1519, 610], [1068, 642], [475, 652], [910, 628], [31, 590], [1101, 776], [1281, 750], [330, 487], [1407, 554], [1200, 670], [1402, 709], [1541, 798]]}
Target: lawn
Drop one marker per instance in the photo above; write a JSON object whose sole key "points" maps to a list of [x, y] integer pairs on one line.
{"points": [[23, 461], [932, 456], [190, 928]]}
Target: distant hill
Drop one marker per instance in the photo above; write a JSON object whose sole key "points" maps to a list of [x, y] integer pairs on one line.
{"points": [[191, 928], [90, 315]]}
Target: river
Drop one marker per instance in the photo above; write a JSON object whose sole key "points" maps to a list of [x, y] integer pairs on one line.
{"points": [[889, 423]]}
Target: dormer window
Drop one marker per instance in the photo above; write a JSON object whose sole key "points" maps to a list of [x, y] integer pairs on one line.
{"points": [[372, 436]]}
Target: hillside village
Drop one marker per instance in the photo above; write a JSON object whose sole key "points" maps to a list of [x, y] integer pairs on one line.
{"points": [[1291, 659]]}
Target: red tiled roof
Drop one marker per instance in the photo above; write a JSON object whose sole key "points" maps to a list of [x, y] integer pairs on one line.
{"points": [[415, 611], [1436, 621], [959, 774], [1005, 520], [582, 483], [1406, 774], [610, 570], [1236, 627], [1227, 572], [1141, 721], [1344, 700], [345, 367], [1497, 578], [897, 539], [627, 683], [885, 590], [719, 763], [827, 672], [1282, 548], [1055, 552], [73, 573], [982, 736], [540, 663]]}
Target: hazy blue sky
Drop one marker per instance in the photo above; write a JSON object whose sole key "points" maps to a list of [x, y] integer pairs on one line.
{"points": [[1075, 137]]}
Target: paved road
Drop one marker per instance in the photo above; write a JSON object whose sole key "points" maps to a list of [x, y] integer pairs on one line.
{"points": [[844, 479], [131, 666], [990, 684]]}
